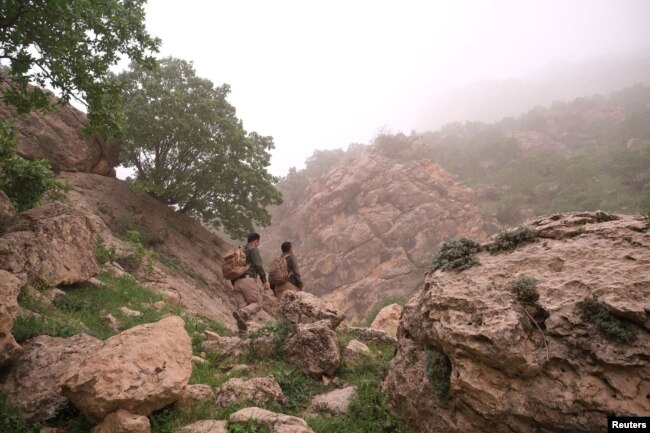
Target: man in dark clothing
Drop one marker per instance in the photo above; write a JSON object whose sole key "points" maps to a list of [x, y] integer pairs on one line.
{"points": [[295, 281], [247, 293]]}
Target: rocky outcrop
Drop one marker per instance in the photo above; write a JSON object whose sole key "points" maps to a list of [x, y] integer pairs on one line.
{"points": [[314, 348], [32, 384], [122, 421], [10, 287], [7, 209], [366, 229], [141, 370], [494, 367], [388, 319], [276, 422], [302, 308], [59, 138], [53, 244], [258, 391]]}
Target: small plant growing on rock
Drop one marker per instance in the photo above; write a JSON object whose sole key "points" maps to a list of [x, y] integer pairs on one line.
{"points": [[457, 254], [509, 239], [602, 217], [103, 254], [439, 372], [614, 329], [525, 289]]}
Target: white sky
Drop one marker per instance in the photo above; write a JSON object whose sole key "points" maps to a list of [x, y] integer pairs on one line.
{"points": [[321, 75]]}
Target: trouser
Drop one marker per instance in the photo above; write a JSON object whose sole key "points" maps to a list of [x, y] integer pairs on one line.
{"points": [[279, 290], [247, 296]]}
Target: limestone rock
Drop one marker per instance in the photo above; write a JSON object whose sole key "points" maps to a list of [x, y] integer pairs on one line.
{"points": [[276, 422], [52, 243], [122, 421], [32, 384], [129, 312], [196, 394], [370, 334], [141, 370], [10, 286], [355, 352], [258, 390], [314, 348], [206, 426], [334, 402], [506, 374], [302, 307], [7, 209], [232, 349], [388, 319], [112, 322]]}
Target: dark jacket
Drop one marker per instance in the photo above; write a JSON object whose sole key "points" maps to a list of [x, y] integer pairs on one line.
{"points": [[294, 273], [253, 257]]}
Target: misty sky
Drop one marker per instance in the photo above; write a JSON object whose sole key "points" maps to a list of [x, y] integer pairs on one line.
{"points": [[321, 75]]}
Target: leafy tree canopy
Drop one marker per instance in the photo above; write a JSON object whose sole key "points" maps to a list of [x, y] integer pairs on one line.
{"points": [[190, 150], [70, 46]]}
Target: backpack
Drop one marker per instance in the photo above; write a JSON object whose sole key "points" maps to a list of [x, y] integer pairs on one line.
{"points": [[234, 264], [279, 271]]}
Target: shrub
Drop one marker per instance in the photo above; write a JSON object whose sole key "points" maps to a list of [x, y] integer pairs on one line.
{"points": [[12, 421], [602, 217], [280, 330], [438, 370], [103, 254], [509, 239], [525, 289], [456, 254], [597, 313]]}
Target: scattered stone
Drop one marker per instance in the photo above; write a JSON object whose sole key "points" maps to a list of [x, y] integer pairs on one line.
{"points": [[355, 353], [334, 402], [95, 282], [114, 269], [369, 334], [388, 319], [122, 421], [258, 390], [314, 348], [206, 426], [112, 322], [302, 308], [129, 312], [198, 360], [57, 294], [232, 349], [239, 369], [143, 369], [159, 305], [196, 394], [203, 355], [276, 422]]}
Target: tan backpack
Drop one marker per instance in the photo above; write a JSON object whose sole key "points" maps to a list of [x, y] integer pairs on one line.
{"points": [[234, 264], [279, 271]]}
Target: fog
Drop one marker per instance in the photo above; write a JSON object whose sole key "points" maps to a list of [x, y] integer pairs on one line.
{"points": [[323, 75]]}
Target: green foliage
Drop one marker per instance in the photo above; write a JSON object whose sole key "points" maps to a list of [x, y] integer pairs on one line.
{"points": [[26, 183], [26, 327], [70, 46], [438, 370], [104, 254], [248, 427], [169, 419], [133, 238], [509, 239], [12, 421], [456, 254], [524, 289], [280, 330], [593, 311], [298, 387], [197, 158], [383, 302]]}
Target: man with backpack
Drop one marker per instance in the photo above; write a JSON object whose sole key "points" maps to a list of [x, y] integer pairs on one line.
{"points": [[284, 274], [246, 290]]}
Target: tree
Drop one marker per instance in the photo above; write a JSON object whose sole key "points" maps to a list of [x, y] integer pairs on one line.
{"points": [[191, 152], [70, 46]]}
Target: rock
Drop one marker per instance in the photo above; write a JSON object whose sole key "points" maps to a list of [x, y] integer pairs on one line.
{"points": [[505, 372], [302, 307], [95, 282], [114, 269], [232, 349], [355, 353], [10, 286], [129, 312], [334, 402], [196, 394], [159, 305], [314, 348], [122, 421], [32, 384], [53, 244], [198, 360], [141, 370], [112, 322], [7, 209], [277, 423], [369, 334], [57, 295], [207, 426], [388, 319], [258, 390]]}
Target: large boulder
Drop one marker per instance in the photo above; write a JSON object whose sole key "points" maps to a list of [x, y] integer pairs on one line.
{"points": [[302, 307], [276, 422], [53, 244], [122, 421], [32, 384], [258, 391], [141, 370], [388, 319], [334, 402], [314, 348], [10, 286], [494, 366]]}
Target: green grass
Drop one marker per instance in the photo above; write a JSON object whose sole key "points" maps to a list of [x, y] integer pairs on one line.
{"points": [[384, 302], [26, 327], [11, 419]]}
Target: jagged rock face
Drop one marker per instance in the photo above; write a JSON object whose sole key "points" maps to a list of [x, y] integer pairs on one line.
{"points": [[188, 268], [258, 391], [52, 243], [314, 348], [58, 138], [32, 384], [510, 374], [302, 307], [141, 370], [368, 229], [10, 286]]}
